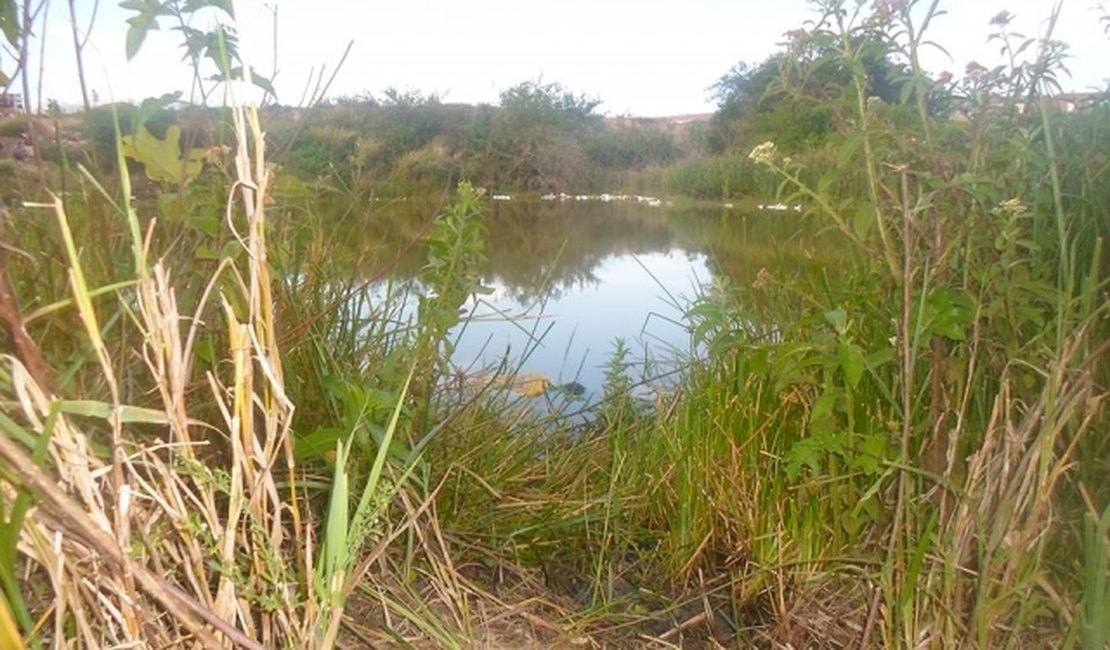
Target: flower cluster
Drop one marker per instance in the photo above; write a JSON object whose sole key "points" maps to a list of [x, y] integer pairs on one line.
{"points": [[764, 153], [1010, 207]]}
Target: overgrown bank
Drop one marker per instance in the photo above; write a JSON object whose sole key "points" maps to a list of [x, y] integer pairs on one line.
{"points": [[905, 449]]}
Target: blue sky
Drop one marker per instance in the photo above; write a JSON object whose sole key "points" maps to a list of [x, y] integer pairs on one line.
{"points": [[641, 57]]}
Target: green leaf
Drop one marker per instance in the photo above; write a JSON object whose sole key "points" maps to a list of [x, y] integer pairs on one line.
{"points": [[146, 19], [258, 80], [231, 250], [852, 362], [103, 410], [208, 224], [810, 452], [822, 418], [863, 218], [790, 365], [319, 443], [9, 21], [848, 149], [163, 159], [871, 453], [192, 6], [838, 318], [331, 572], [949, 313]]}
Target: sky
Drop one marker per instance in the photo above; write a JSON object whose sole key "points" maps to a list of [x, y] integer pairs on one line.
{"points": [[639, 57]]}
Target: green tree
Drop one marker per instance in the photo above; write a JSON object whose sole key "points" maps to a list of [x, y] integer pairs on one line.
{"points": [[786, 98], [536, 140]]}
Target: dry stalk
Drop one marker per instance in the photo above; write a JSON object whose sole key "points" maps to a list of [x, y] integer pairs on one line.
{"points": [[156, 547], [1007, 504]]}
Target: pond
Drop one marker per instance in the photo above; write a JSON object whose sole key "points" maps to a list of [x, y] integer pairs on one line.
{"points": [[570, 279], [568, 335]]}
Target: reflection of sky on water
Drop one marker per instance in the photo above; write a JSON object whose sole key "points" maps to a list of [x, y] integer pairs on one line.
{"points": [[571, 336]]}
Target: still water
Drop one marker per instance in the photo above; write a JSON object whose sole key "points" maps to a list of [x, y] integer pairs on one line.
{"points": [[568, 336], [570, 279]]}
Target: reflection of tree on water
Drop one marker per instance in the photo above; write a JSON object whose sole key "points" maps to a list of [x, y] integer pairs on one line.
{"points": [[540, 249], [738, 246], [543, 249]]}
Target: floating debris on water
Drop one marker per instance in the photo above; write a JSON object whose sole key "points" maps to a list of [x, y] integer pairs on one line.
{"points": [[780, 207], [526, 384], [649, 201]]}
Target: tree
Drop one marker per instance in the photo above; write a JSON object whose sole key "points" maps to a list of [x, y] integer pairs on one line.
{"points": [[79, 47], [536, 138], [790, 97]]}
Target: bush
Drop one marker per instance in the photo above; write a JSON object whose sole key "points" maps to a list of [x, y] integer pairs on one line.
{"points": [[720, 177], [13, 128]]}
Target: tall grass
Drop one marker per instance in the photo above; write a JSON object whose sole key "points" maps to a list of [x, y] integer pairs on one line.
{"points": [[155, 526], [933, 410]]}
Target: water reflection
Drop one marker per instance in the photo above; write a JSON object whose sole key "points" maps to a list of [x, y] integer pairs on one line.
{"points": [[568, 334], [570, 278]]}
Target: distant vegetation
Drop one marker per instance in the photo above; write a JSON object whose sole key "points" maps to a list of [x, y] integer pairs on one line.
{"points": [[542, 137]]}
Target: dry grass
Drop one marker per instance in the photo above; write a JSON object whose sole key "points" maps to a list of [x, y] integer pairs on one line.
{"points": [[155, 546]]}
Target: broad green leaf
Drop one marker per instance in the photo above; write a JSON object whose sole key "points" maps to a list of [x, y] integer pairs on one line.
{"points": [[863, 219], [872, 452], [810, 452], [758, 362], [848, 149], [852, 362], [336, 544], [206, 223], [163, 159], [822, 418], [231, 250]]}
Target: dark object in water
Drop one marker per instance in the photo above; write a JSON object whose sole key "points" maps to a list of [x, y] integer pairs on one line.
{"points": [[572, 388]]}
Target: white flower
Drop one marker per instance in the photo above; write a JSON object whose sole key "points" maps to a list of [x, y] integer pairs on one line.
{"points": [[1010, 207], [764, 153]]}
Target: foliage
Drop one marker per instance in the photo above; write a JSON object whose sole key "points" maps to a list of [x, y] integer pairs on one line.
{"points": [[790, 97], [541, 137], [219, 45], [163, 159], [13, 128], [633, 148], [455, 253], [961, 232], [719, 178]]}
